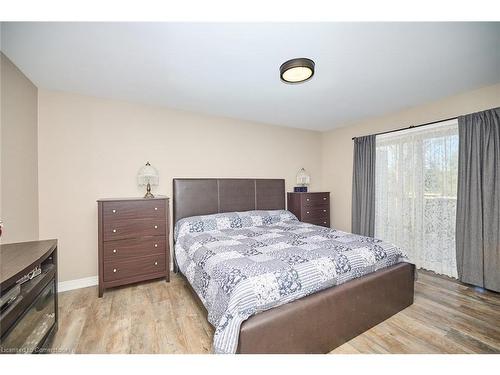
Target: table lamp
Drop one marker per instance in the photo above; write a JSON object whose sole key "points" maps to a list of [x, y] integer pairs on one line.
{"points": [[148, 176], [303, 180]]}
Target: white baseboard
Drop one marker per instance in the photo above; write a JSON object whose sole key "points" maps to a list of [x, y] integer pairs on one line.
{"points": [[64, 286]]}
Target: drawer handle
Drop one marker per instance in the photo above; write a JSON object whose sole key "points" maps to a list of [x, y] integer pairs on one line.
{"points": [[307, 199], [114, 270], [307, 212], [324, 198], [156, 263], [324, 210], [114, 211], [114, 230], [156, 245], [114, 251], [156, 226], [156, 208], [324, 222]]}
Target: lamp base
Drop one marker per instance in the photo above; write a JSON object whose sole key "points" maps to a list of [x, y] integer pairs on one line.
{"points": [[148, 192]]}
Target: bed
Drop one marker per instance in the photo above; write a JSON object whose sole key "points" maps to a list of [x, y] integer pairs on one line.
{"points": [[271, 284]]}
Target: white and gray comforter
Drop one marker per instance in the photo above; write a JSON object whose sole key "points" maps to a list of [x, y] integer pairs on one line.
{"points": [[242, 263]]}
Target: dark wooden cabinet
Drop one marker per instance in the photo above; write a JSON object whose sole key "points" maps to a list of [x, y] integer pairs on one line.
{"points": [[312, 208], [133, 241], [28, 295]]}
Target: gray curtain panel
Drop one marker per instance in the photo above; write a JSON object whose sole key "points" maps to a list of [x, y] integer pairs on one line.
{"points": [[478, 199], [363, 186]]}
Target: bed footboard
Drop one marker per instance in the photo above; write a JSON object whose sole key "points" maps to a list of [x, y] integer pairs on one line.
{"points": [[322, 321]]}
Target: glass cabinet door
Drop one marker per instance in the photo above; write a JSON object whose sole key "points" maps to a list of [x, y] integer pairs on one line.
{"points": [[33, 326]]}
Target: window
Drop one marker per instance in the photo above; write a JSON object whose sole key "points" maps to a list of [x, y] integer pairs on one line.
{"points": [[416, 193]]}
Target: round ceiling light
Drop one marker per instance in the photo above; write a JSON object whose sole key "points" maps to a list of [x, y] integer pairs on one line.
{"points": [[297, 70]]}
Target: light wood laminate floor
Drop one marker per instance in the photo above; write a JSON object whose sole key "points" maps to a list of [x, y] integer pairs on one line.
{"points": [[160, 317]]}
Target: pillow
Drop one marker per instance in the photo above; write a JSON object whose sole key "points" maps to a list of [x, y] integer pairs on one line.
{"points": [[228, 220]]}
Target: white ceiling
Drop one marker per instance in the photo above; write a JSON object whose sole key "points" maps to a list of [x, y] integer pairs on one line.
{"points": [[362, 69]]}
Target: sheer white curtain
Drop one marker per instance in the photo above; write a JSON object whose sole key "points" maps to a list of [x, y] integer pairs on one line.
{"points": [[416, 194]]}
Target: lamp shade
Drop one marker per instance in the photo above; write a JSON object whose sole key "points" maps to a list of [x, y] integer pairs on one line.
{"points": [[148, 175], [303, 178]]}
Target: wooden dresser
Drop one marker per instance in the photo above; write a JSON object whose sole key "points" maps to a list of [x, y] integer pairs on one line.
{"points": [[313, 208], [133, 241]]}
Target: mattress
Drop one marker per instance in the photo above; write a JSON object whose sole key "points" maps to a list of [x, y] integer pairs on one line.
{"points": [[243, 263]]}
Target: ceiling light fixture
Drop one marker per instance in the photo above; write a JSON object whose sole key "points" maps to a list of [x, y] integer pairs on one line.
{"points": [[297, 70]]}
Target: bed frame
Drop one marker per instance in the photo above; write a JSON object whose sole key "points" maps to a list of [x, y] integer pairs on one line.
{"points": [[317, 323]]}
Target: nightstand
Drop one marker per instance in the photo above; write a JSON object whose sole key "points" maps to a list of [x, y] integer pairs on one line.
{"points": [[312, 208]]}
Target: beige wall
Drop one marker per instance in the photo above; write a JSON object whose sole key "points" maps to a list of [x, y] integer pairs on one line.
{"points": [[19, 160], [337, 145], [92, 148]]}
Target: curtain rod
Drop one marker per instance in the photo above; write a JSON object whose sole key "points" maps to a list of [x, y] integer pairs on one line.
{"points": [[412, 127]]}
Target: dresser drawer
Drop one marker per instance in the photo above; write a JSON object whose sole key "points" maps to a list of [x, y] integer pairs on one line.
{"points": [[316, 212], [322, 221], [140, 209], [122, 269], [134, 247], [316, 200], [122, 229]]}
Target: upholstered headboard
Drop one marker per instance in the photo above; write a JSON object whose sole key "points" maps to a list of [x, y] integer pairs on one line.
{"points": [[205, 196]]}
